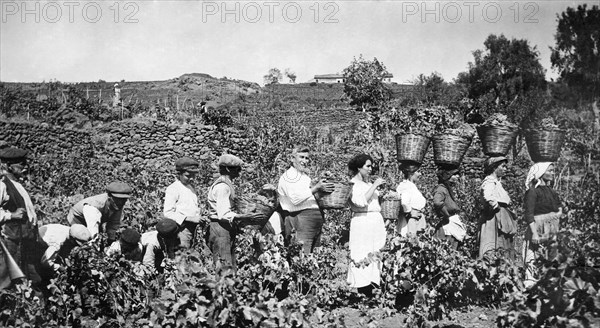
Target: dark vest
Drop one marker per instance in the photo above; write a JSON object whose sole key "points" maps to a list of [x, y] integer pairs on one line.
{"points": [[16, 229]]}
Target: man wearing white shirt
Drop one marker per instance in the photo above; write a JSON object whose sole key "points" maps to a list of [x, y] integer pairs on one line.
{"points": [[181, 201], [58, 241], [160, 244], [221, 200], [102, 210], [296, 195]]}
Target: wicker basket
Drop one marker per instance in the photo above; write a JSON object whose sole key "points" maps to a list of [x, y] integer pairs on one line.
{"points": [[450, 148], [337, 199], [497, 139], [411, 147], [390, 208], [247, 206], [543, 145]]}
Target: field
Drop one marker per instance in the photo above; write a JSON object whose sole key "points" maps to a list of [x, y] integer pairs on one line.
{"points": [[424, 282]]}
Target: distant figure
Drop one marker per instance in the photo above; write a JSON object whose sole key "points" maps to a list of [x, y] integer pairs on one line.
{"points": [[117, 98]]}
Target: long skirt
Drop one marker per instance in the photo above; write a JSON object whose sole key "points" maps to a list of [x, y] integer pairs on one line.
{"points": [[547, 225], [497, 232], [305, 226], [367, 235]]}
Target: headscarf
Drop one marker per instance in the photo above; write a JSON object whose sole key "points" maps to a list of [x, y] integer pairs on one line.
{"points": [[536, 172]]}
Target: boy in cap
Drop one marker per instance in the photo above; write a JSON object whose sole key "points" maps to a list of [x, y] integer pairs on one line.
{"points": [[57, 241], [128, 245], [18, 219], [221, 199], [159, 244], [181, 201], [106, 208]]}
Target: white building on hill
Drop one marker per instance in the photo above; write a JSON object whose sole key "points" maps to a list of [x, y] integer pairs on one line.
{"points": [[339, 78]]}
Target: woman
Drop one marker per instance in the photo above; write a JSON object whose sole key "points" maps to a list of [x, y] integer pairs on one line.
{"points": [[411, 219], [497, 224], [450, 227], [542, 214], [367, 229]]}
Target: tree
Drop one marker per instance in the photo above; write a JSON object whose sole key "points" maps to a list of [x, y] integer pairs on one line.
{"points": [[503, 76], [433, 90], [577, 52], [274, 76], [363, 83], [506, 70], [290, 75]]}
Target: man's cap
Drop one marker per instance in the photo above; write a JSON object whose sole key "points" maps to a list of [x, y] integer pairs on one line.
{"points": [[130, 236], [80, 233], [491, 163], [167, 227], [13, 155], [230, 160], [119, 189], [187, 164]]}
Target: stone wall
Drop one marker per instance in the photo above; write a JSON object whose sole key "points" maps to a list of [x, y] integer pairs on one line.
{"points": [[127, 141]]}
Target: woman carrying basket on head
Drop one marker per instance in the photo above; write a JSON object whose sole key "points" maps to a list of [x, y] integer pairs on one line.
{"points": [[497, 225], [411, 219], [543, 211], [367, 228], [450, 226]]}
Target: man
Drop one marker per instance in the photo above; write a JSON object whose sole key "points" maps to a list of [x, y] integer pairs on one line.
{"points": [[221, 199], [57, 241], [304, 219], [181, 201], [18, 219], [159, 244], [128, 245], [103, 209]]}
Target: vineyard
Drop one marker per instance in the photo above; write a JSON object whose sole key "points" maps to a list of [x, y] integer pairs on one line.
{"points": [[425, 283]]}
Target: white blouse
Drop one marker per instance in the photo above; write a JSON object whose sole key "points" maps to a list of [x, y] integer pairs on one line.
{"points": [[358, 202], [412, 199]]}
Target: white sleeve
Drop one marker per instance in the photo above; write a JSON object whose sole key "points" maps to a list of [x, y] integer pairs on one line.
{"points": [[92, 219], [359, 193], [170, 206], [4, 214]]}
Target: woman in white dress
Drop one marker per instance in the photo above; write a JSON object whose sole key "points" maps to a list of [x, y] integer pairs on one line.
{"points": [[411, 218], [367, 229]]}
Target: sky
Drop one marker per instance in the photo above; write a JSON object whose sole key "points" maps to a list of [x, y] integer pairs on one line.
{"points": [[84, 41]]}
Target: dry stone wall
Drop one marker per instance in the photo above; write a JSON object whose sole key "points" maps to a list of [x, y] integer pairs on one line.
{"points": [[133, 142]]}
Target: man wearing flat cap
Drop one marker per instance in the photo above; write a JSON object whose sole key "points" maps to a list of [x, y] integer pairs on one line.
{"points": [[181, 201], [17, 214], [128, 245], [221, 199], [57, 241], [101, 210], [160, 244]]}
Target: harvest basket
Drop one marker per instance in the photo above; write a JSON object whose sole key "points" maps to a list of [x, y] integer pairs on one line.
{"points": [[337, 199], [390, 208], [246, 206], [544, 145], [411, 147], [450, 148], [497, 139]]}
